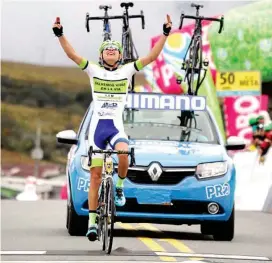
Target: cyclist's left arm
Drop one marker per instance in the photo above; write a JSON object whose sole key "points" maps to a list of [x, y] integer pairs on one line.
{"points": [[156, 50]]}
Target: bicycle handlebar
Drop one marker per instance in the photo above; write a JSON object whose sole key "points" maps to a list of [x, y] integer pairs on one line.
{"points": [[131, 153], [201, 18], [139, 16], [88, 18]]}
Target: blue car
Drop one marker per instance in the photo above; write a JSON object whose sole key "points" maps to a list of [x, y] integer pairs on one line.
{"points": [[183, 173]]}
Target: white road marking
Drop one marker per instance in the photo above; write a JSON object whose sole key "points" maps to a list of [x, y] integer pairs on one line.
{"points": [[100, 261], [217, 256], [18, 252], [167, 254]]}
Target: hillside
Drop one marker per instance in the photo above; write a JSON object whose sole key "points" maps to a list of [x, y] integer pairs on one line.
{"points": [[54, 97], [62, 78]]}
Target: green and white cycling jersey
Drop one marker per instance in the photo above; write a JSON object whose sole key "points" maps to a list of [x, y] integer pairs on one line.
{"points": [[109, 91], [110, 87]]}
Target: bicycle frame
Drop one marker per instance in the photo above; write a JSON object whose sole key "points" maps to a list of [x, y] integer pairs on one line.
{"points": [[127, 41], [195, 48], [130, 53], [186, 118], [106, 21]]}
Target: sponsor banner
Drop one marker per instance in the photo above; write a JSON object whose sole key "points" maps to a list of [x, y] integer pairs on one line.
{"points": [[167, 67], [238, 111], [238, 83], [151, 85], [166, 102]]}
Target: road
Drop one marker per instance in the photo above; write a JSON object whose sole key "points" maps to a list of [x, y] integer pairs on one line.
{"points": [[36, 231]]}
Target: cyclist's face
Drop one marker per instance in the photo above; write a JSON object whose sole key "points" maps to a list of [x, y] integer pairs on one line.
{"points": [[111, 54]]}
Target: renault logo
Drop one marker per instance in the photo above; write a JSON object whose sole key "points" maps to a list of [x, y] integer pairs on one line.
{"points": [[155, 171]]}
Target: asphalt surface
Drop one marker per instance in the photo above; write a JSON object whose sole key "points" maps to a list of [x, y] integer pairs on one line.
{"points": [[35, 231]]}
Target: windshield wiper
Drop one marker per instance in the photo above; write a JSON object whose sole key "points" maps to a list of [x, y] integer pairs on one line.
{"points": [[167, 124]]}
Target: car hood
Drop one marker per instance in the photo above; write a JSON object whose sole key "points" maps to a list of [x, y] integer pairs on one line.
{"points": [[172, 153]]}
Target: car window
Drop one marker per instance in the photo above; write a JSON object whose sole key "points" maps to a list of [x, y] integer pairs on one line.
{"points": [[83, 121], [169, 125]]}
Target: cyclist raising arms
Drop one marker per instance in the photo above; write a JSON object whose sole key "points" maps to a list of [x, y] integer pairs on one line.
{"points": [[109, 85]]}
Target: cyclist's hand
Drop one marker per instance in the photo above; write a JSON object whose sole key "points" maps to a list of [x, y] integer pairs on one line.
{"points": [[57, 28], [167, 26]]}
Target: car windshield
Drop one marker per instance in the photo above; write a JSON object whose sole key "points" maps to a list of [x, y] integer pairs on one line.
{"points": [[169, 125]]}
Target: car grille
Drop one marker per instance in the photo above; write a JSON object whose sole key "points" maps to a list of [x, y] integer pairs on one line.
{"points": [[178, 207], [166, 178]]}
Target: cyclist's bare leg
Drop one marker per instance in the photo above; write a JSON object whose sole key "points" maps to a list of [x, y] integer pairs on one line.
{"points": [[123, 159], [120, 199], [95, 181]]}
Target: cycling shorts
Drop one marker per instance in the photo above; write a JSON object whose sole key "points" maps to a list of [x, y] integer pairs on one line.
{"points": [[104, 134]]}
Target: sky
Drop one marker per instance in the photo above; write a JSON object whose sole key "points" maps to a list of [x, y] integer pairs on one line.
{"points": [[27, 36]]}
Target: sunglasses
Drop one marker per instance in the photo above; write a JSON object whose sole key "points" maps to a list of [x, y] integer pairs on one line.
{"points": [[111, 47]]}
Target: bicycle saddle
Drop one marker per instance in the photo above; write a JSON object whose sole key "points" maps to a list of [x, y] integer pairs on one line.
{"points": [[126, 5], [197, 6], [105, 7]]}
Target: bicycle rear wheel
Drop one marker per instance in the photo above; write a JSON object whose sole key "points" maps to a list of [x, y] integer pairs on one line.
{"points": [[108, 220]]}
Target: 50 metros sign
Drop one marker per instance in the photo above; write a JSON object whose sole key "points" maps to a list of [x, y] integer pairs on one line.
{"points": [[166, 102]]}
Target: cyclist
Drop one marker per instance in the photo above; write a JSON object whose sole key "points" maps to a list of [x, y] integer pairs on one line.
{"points": [[109, 85]]}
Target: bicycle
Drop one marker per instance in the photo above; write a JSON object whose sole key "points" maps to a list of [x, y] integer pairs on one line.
{"points": [[193, 65], [106, 210], [129, 51], [105, 18]]}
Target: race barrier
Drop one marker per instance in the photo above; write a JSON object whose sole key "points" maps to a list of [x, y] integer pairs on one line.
{"points": [[253, 181], [267, 208]]}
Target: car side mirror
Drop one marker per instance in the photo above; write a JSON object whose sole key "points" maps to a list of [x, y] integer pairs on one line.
{"points": [[67, 137], [235, 143]]}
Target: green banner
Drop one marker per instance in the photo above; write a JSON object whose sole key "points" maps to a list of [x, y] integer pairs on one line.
{"points": [[208, 89], [246, 41]]}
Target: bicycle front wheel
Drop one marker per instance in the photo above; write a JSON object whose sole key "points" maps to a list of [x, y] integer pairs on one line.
{"points": [[109, 216]]}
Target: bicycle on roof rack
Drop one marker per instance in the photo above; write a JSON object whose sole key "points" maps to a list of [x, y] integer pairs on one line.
{"points": [[194, 64], [106, 23], [130, 53]]}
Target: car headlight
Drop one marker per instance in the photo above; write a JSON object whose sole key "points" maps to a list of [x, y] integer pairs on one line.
{"points": [[207, 170], [84, 163]]}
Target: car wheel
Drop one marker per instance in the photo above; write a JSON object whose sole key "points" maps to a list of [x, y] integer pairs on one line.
{"points": [[67, 216], [77, 225], [206, 229], [224, 231]]}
